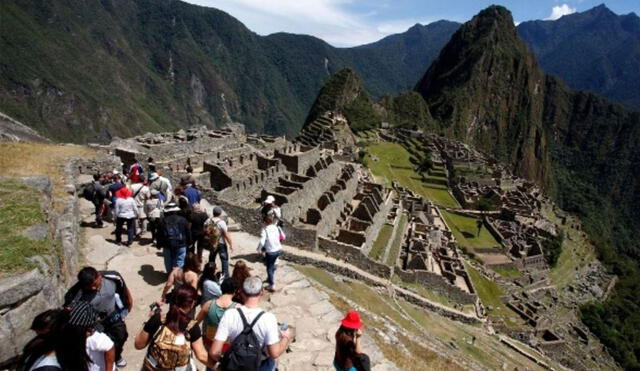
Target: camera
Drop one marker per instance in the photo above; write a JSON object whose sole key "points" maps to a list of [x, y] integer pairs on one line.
{"points": [[155, 307]]}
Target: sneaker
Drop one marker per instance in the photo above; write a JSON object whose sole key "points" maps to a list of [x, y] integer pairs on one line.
{"points": [[121, 363]]}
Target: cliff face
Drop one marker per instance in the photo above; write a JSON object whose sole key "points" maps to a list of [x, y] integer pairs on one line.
{"points": [[486, 89]]}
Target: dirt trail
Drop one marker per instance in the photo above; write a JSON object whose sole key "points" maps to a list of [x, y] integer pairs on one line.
{"points": [[297, 303]]}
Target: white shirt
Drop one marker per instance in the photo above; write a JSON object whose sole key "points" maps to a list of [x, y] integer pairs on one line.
{"points": [[142, 193], [270, 239], [266, 329], [97, 345], [222, 225], [126, 208]]}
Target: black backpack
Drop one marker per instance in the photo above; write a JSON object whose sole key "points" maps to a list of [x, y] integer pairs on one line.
{"points": [[174, 236], [245, 352], [89, 192]]}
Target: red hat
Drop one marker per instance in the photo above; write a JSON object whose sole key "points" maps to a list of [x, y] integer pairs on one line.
{"points": [[352, 321]]}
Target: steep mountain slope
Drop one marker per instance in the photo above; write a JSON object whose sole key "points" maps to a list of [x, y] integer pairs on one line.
{"points": [[595, 50], [85, 71], [486, 88]]}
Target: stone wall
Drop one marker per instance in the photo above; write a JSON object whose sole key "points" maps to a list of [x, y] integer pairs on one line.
{"points": [[436, 282], [298, 158], [25, 295], [353, 255], [378, 220]]}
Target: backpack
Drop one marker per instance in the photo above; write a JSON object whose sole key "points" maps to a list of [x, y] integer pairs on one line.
{"points": [[246, 351], [173, 235], [213, 233], [165, 352], [89, 192]]}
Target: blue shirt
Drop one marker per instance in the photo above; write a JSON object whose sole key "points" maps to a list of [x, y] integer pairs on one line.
{"points": [[193, 195]]}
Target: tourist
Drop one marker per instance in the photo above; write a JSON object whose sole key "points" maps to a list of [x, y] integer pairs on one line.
{"points": [[151, 166], [63, 347], [171, 341], [98, 194], [162, 185], [175, 237], [188, 178], [197, 218], [135, 171], [349, 355], [47, 328], [108, 294], [153, 210], [271, 247], [240, 273], [192, 194], [187, 275], [212, 310], [99, 347], [224, 243], [126, 211], [272, 210], [208, 285], [271, 340], [114, 187], [141, 193]]}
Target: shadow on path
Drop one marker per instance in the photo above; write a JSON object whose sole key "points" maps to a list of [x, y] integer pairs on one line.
{"points": [[152, 276]]}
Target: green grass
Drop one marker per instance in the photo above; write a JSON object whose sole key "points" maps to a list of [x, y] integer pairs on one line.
{"points": [[397, 241], [394, 165], [507, 272], [432, 295], [465, 230], [380, 245], [489, 293], [19, 209]]}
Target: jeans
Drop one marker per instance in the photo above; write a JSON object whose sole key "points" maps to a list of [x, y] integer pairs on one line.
{"points": [[98, 206], [131, 229], [224, 258], [270, 262], [153, 228], [267, 365], [174, 258], [117, 332]]}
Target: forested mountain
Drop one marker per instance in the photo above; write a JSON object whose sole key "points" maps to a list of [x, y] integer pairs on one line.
{"points": [[595, 50], [84, 71], [487, 89]]}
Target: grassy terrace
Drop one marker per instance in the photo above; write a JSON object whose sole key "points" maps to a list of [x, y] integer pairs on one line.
{"points": [[465, 230], [416, 323], [508, 272], [19, 209], [397, 241], [489, 293], [379, 246], [394, 164]]}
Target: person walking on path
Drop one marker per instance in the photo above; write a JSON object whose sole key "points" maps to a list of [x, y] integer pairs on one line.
{"points": [[212, 310], [140, 194], [188, 178], [246, 319], [271, 247], [176, 236], [349, 355], [272, 210], [223, 244], [108, 294], [126, 212], [240, 273], [99, 347], [192, 194], [153, 209], [171, 339], [188, 275], [135, 171], [197, 218], [209, 283]]}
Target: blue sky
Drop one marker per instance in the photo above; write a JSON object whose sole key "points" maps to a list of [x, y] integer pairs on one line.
{"points": [[356, 22]]}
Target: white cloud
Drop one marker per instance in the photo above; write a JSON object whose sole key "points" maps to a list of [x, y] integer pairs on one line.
{"points": [[326, 19], [559, 11]]}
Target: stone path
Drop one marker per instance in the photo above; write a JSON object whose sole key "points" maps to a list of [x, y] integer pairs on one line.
{"points": [[297, 303]]}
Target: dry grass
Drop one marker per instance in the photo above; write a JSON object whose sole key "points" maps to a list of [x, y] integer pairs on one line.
{"points": [[29, 159]]}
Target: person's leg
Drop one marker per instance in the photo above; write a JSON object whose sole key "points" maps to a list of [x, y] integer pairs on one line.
{"points": [[181, 254], [131, 230], [224, 259], [268, 365], [98, 208], [119, 224], [200, 247], [270, 261], [168, 259], [117, 332]]}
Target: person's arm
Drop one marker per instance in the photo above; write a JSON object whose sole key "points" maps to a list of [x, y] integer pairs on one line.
{"points": [[215, 352], [275, 350], [129, 298], [168, 285], [201, 353], [142, 340], [263, 239], [204, 310], [359, 342], [117, 207], [227, 237], [109, 359]]}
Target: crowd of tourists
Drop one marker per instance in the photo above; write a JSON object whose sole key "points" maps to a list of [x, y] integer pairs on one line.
{"points": [[213, 318]]}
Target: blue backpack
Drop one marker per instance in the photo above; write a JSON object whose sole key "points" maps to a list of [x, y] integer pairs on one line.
{"points": [[174, 237]]}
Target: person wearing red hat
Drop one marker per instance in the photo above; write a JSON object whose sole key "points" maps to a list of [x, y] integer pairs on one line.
{"points": [[126, 211], [349, 355]]}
